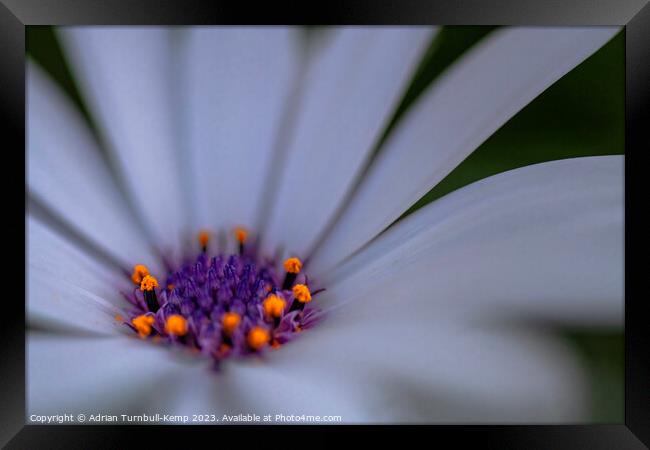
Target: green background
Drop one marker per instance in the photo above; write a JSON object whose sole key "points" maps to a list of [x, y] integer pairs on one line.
{"points": [[580, 115]]}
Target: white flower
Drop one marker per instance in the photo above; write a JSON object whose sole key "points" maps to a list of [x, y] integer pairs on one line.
{"points": [[215, 127]]}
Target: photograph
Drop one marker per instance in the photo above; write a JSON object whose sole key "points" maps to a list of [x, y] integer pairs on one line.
{"points": [[286, 225]]}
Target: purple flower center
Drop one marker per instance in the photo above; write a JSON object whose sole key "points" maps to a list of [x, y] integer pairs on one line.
{"points": [[223, 305]]}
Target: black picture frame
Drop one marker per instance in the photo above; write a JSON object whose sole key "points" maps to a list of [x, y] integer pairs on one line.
{"points": [[634, 15]]}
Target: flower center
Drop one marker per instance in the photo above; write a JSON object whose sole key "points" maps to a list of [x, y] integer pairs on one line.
{"points": [[223, 305]]}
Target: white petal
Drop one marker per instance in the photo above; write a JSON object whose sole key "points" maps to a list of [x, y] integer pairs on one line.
{"points": [[416, 368], [237, 82], [258, 386], [311, 385], [196, 390], [350, 91], [252, 386], [67, 287], [125, 376], [127, 77], [475, 97], [65, 171], [95, 375], [543, 242]]}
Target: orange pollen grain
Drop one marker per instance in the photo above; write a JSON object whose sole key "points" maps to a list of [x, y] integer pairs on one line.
{"points": [[301, 292], [170, 286], [223, 349], [258, 337], [148, 283], [143, 324], [204, 237], [119, 318], [230, 321], [274, 306], [176, 325], [293, 265], [241, 235], [139, 272]]}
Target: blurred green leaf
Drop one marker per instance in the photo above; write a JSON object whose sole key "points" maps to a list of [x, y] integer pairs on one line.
{"points": [[43, 46], [602, 354]]}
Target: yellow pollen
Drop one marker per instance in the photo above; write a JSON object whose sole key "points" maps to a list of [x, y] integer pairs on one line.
{"points": [[176, 325], [148, 283], [119, 318], [139, 271], [230, 321], [258, 337], [241, 234], [143, 325], [204, 237], [301, 292], [274, 305], [293, 265], [170, 286]]}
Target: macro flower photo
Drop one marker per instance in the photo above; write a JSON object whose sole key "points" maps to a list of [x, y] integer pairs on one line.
{"points": [[325, 224]]}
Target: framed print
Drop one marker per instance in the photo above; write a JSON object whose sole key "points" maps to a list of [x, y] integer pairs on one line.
{"points": [[410, 216]]}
